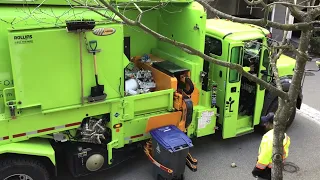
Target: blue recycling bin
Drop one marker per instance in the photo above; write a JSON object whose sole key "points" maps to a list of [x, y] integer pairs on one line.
{"points": [[170, 147]]}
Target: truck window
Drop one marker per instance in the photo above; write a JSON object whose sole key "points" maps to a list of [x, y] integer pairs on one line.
{"points": [[236, 56], [213, 46], [266, 59]]}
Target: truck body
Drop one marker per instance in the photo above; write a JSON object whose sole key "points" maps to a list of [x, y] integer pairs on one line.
{"points": [[248, 101], [47, 76]]}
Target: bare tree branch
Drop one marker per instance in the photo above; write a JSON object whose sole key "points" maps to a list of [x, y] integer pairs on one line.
{"points": [[256, 2], [287, 4], [96, 11], [192, 51], [260, 22], [276, 57], [289, 47], [312, 2], [297, 13], [141, 12]]}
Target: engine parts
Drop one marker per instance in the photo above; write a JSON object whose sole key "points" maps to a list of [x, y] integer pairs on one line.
{"points": [[93, 131]]}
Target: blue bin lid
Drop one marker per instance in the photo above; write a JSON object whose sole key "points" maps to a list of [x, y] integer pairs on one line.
{"points": [[171, 138]]}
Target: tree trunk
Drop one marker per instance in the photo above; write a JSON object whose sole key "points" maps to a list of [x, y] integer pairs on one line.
{"points": [[287, 107]]}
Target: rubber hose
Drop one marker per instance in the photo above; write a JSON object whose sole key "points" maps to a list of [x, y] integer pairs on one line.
{"points": [[189, 113], [189, 82]]}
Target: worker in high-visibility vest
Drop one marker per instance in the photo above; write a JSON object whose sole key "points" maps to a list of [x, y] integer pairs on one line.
{"points": [[262, 168]]}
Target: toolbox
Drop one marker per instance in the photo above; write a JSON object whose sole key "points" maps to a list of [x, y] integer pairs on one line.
{"points": [[170, 148]]}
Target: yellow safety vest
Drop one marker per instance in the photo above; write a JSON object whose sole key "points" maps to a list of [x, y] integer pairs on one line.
{"points": [[265, 150]]}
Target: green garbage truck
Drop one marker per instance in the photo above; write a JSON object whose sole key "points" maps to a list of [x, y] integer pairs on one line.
{"points": [[90, 89]]}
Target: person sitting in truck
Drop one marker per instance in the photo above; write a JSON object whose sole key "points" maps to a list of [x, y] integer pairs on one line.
{"points": [[263, 166]]}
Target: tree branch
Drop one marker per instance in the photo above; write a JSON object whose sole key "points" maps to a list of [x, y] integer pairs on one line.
{"points": [[96, 11], [297, 13], [260, 22], [276, 57], [256, 2], [192, 51], [315, 12], [141, 12], [287, 4], [288, 47]]}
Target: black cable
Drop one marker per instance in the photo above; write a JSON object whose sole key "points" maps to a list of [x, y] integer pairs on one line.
{"points": [[290, 167]]}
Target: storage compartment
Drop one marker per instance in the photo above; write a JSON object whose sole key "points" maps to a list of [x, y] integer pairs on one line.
{"points": [[147, 89], [170, 148], [141, 77]]}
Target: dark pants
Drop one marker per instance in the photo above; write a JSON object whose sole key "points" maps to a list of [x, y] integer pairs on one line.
{"points": [[266, 174]]}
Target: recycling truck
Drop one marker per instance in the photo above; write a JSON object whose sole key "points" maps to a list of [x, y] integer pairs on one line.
{"points": [[88, 89]]}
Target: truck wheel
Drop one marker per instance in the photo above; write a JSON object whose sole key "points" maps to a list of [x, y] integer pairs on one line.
{"points": [[22, 169], [273, 108]]}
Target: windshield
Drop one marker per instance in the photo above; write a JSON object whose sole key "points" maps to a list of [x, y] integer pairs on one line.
{"points": [[252, 53]]}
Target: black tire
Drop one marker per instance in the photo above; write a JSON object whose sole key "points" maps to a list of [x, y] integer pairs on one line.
{"points": [[29, 167], [273, 108]]}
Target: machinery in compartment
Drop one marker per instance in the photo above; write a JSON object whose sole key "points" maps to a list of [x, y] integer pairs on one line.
{"points": [[138, 81], [160, 74]]}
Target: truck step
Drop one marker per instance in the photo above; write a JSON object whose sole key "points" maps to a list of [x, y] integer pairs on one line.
{"points": [[244, 130]]}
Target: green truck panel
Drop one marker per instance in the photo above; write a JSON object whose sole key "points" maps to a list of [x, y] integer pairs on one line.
{"points": [[35, 147], [42, 74]]}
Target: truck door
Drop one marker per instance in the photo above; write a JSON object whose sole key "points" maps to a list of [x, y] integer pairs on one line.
{"points": [[232, 92], [264, 70]]}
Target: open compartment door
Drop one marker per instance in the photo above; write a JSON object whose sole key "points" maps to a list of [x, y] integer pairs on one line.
{"points": [[232, 92]]}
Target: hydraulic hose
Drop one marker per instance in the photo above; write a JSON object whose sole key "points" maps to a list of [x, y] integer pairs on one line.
{"points": [[191, 86]]}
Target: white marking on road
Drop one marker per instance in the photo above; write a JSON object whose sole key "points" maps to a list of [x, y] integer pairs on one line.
{"points": [[309, 113]]}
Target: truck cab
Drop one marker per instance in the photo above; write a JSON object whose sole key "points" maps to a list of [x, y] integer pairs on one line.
{"points": [[241, 102]]}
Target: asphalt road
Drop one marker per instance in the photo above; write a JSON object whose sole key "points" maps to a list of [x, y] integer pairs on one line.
{"points": [[216, 155], [311, 87]]}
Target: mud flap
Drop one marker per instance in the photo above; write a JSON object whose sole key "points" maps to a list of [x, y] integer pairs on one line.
{"points": [[188, 111]]}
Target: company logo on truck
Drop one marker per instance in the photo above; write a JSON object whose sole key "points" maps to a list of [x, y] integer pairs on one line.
{"points": [[103, 31], [23, 39], [6, 82], [7, 95]]}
